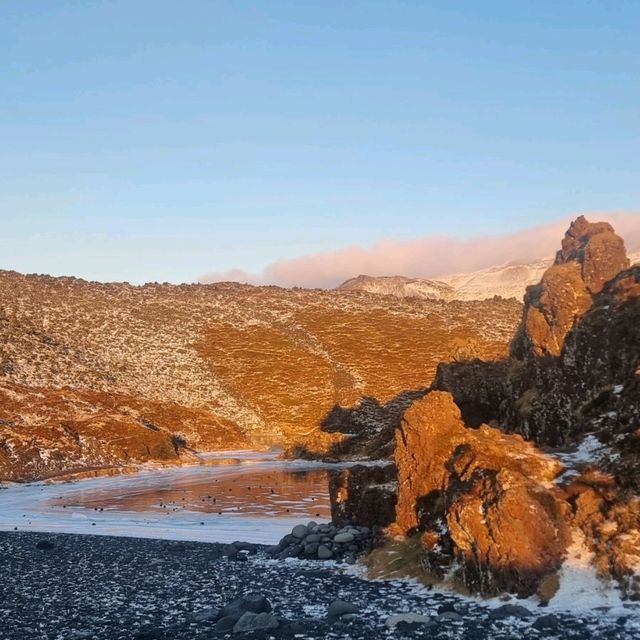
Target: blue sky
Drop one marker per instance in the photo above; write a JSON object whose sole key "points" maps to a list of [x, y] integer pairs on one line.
{"points": [[159, 140]]}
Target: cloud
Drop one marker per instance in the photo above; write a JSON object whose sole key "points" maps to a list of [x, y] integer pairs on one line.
{"points": [[426, 257]]}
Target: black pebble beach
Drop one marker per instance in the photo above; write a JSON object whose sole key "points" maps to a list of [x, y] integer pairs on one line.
{"points": [[72, 587]]}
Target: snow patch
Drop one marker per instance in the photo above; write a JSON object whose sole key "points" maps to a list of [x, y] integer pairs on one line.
{"points": [[581, 589]]}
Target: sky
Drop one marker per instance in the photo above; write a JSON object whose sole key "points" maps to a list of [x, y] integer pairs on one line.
{"points": [[161, 141]]}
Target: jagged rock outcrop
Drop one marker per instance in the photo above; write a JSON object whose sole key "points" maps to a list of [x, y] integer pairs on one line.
{"points": [[577, 344], [594, 385], [488, 506], [483, 501], [591, 255]]}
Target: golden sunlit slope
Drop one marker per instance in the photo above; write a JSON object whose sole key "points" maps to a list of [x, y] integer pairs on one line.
{"points": [[271, 361]]}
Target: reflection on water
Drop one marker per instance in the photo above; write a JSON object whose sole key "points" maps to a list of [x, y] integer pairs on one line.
{"points": [[243, 489], [243, 495]]}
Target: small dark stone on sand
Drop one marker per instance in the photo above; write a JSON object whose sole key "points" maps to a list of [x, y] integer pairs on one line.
{"points": [[339, 608], [45, 545]]}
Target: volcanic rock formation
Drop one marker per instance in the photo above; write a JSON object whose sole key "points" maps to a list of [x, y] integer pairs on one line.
{"points": [[498, 512], [483, 501], [591, 255]]}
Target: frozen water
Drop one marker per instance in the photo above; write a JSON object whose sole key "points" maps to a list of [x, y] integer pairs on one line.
{"points": [[239, 495]]}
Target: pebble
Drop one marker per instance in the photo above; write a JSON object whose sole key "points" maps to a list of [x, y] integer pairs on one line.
{"points": [[324, 553], [255, 622], [549, 622], [509, 611], [342, 538], [408, 618], [299, 531], [340, 608]]}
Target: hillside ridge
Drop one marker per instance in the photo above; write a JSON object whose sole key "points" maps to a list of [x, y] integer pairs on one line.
{"points": [[265, 364]]}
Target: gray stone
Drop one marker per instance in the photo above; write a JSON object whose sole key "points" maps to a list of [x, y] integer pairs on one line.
{"points": [[343, 538], [340, 608], [447, 606], [299, 531], [547, 622], [46, 545], [209, 613], [273, 550], [450, 616], [291, 552], [408, 618], [311, 549], [246, 546], [256, 622], [226, 624], [509, 611], [314, 537], [324, 553], [252, 602]]}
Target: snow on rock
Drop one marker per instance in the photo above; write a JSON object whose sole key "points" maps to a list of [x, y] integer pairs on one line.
{"points": [[581, 589]]}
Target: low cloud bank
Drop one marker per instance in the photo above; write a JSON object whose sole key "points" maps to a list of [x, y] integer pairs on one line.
{"points": [[426, 257]]}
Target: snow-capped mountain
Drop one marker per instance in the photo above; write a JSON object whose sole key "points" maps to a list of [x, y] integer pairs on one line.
{"points": [[401, 287], [506, 280]]}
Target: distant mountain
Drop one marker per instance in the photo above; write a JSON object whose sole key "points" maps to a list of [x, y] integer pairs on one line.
{"points": [[506, 281], [401, 287]]}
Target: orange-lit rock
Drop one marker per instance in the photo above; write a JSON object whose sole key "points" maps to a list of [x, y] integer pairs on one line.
{"points": [[591, 255], [483, 501]]}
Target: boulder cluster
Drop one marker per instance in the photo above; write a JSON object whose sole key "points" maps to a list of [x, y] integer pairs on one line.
{"points": [[315, 541], [253, 613]]}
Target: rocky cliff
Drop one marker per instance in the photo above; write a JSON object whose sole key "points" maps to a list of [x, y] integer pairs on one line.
{"points": [[216, 366], [473, 496], [506, 466]]}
